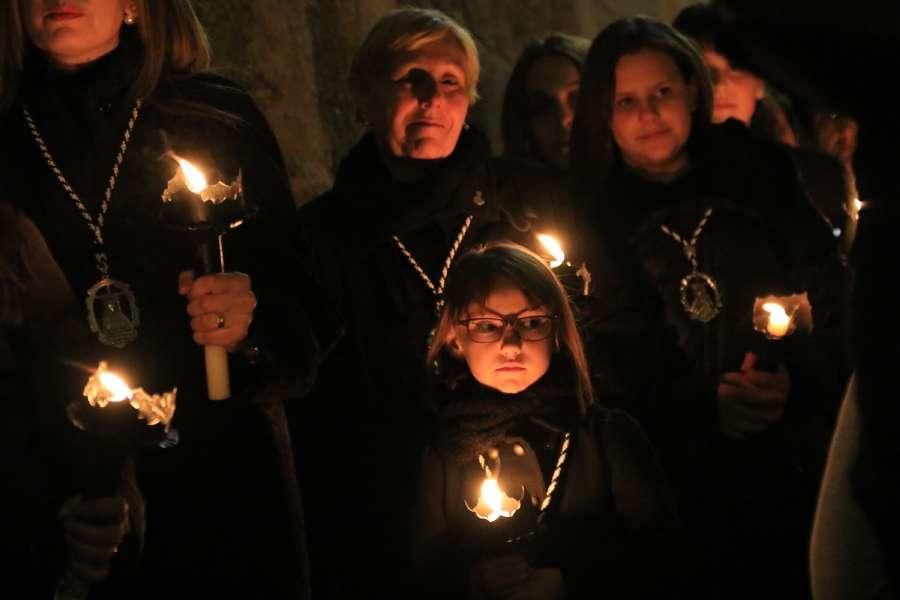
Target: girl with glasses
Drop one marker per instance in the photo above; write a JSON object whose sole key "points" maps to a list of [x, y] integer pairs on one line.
{"points": [[527, 485]]}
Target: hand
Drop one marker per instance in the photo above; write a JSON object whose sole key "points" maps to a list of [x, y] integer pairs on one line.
{"points": [[749, 401], [221, 307], [499, 578], [94, 529]]}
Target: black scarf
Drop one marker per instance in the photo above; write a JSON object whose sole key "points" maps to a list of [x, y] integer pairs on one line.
{"points": [[471, 419]]}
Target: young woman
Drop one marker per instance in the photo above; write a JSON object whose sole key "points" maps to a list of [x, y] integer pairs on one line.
{"points": [[700, 221], [540, 99], [513, 403]]}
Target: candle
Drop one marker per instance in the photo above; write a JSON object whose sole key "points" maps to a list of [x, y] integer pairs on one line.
{"points": [[105, 387], [200, 206], [553, 247], [779, 321], [493, 502]]}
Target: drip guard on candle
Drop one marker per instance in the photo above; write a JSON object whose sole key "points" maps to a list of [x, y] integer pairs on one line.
{"points": [[205, 213]]}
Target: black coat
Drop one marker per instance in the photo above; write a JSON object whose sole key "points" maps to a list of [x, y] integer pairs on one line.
{"points": [[610, 526], [365, 409], [207, 524], [653, 360]]}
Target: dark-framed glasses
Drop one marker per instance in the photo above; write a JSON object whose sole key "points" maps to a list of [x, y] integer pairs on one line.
{"points": [[531, 328]]}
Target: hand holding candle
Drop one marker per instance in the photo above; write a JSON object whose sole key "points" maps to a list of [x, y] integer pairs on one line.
{"points": [[221, 304], [221, 308]]}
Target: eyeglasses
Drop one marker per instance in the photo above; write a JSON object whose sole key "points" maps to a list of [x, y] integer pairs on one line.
{"points": [[532, 328]]}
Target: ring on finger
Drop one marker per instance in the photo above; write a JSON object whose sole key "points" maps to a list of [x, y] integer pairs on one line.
{"points": [[220, 321]]}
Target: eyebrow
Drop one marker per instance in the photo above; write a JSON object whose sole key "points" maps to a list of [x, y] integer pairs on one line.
{"points": [[499, 314]]}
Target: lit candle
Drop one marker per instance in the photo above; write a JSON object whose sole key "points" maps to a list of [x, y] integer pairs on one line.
{"points": [[189, 177], [553, 247], [105, 387], [493, 502], [779, 321]]}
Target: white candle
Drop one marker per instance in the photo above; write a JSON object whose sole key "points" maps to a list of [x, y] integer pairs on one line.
{"points": [[779, 321], [218, 384]]}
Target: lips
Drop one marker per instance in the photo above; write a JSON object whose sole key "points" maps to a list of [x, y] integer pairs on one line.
{"points": [[63, 14], [511, 367], [426, 124], [653, 135]]}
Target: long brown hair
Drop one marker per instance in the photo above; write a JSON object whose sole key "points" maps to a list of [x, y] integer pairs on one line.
{"points": [[593, 148], [173, 44], [477, 273], [515, 120]]}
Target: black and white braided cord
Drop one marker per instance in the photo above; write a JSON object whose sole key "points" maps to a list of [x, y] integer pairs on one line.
{"points": [[690, 248], [437, 290], [95, 224]]}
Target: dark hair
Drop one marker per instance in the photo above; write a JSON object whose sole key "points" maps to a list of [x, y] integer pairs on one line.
{"points": [[701, 23], [593, 148], [479, 271], [517, 141]]}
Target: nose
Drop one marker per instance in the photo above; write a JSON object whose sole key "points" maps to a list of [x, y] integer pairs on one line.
{"points": [[511, 344], [426, 90], [566, 115], [649, 109]]}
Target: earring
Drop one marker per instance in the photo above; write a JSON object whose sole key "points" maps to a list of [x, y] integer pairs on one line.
{"points": [[129, 19]]}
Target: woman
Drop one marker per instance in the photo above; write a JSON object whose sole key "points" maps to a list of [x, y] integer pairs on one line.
{"points": [[97, 97], [591, 516], [540, 98], [698, 233], [414, 192]]}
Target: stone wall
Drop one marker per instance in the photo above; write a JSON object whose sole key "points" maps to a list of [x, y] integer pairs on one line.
{"points": [[293, 56]]}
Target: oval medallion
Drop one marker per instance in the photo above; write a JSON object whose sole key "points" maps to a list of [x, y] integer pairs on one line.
{"points": [[700, 297]]}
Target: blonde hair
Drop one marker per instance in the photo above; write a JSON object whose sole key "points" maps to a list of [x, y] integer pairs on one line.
{"points": [[408, 30], [173, 42]]}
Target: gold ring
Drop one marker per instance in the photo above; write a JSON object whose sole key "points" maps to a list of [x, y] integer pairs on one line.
{"points": [[220, 321]]}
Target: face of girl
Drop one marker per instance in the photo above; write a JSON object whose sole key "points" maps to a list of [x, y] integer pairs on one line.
{"points": [[74, 32], [420, 110], [509, 364], [651, 115], [735, 91], [552, 94]]}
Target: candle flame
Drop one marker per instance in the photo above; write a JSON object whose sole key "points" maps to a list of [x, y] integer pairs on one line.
{"points": [[193, 177], [115, 385], [493, 503], [775, 310], [552, 246], [779, 321]]}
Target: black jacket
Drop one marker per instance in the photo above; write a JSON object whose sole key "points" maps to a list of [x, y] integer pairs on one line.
{"points": [[610, 526], [365, 407], [202, 492], [763, 237]]}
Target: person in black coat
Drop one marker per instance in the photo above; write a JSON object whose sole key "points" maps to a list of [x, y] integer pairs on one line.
{"points": [[838, 58], [699, 221], [587, 513], [96, 99], [419, 188]]}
